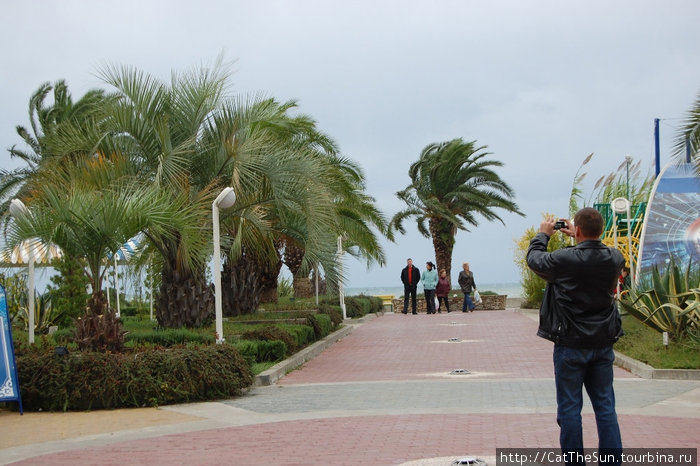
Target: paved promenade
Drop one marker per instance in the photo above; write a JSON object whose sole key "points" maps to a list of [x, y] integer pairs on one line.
{"points": [[384, 395]]}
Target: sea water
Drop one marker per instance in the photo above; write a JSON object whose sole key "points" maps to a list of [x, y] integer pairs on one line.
{"points": [[512, 290]]}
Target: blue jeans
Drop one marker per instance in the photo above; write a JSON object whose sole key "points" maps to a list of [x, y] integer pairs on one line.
{"points": [[467, 304], [575, 368]]}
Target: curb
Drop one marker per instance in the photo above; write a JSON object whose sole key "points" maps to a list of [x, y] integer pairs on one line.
{"points": [[273, 374], [646, 371]]}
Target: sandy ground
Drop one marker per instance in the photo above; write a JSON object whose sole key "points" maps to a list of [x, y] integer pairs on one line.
{"points": [[32, 427]]}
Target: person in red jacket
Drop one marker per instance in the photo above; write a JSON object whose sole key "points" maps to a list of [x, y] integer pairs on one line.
{"points": [[442, 290]]}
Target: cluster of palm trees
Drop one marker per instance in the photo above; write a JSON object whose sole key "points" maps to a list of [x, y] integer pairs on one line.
{"points": [[149, 157]]}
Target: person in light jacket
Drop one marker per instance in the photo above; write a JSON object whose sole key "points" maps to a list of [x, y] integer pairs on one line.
{"points": [[430, 280], [443, 290], [466, 283]]}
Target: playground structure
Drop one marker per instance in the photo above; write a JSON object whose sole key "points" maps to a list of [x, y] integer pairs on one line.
{"points": [[649, 234], [622, 230]]}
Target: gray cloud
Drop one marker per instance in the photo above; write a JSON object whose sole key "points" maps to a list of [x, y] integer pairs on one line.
{"points": [[541, 83]]}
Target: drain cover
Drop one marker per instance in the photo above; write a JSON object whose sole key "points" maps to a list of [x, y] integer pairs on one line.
{"points": [[470, 460], [455, 339], [460, 372]]}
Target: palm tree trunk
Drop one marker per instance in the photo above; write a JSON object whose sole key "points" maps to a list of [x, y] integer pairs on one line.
{"points": [[240, 285], [268, 278], [186, 299], [293, 256], [443, 234]]}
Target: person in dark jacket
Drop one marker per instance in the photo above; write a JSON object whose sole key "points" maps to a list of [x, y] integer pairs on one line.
{"points": [[442, 291], [410, 276], [579, 315], [466, 283]]}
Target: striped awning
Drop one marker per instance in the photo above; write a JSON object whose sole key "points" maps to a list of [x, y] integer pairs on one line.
{"points": [[129, 250], [34, 247]]}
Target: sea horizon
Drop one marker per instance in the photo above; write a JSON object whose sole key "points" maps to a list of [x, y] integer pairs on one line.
{"points": [[511, 289]]}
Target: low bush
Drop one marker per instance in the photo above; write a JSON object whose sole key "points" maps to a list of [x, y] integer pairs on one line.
{"points": [[167, 337], [103, 380], [270, 333], [260, 351], [333, 312]]}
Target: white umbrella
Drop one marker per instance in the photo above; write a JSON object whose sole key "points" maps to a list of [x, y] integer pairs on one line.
{"points": [[128, 251], [29, 252]]}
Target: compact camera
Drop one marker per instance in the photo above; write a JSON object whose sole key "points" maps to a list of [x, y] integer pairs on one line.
{"points": [[559, 225]]}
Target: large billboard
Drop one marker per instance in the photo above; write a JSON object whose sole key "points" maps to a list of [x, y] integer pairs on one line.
{"points": [[672, 221]]}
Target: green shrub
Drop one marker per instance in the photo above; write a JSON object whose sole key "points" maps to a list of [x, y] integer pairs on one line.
{"points": [[168, 337], [104, 380], [270, 333], [272, 350], [303, 335], [257, 351], [354, 308], [333, 312]]}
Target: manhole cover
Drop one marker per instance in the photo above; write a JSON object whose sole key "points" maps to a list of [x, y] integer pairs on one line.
{"points": [[460, 372], [469, 460]]}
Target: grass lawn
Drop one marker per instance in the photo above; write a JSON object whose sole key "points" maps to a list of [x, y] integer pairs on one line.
{"points": [[645, 344]]}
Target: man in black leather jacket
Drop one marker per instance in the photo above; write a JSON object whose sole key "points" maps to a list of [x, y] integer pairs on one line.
{"points": [[579, 315]]}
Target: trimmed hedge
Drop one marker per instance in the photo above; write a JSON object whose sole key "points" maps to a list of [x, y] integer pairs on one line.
{"points": [[92, 380], [167, 337]]}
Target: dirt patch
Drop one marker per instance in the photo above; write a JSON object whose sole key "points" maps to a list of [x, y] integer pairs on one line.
{"points": [[44, 427]]}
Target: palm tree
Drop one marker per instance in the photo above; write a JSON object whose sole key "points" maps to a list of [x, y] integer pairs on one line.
{"points": [[690, 135], [452, 185], [158, 126], [46, 121], [89, 209]]}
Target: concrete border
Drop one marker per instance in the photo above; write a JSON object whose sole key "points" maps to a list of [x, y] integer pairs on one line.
{"points": [[273, 374], [646, 371]]}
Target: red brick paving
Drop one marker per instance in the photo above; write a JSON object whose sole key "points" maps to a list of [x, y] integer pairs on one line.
{"points": [[404, 347], [368, 440], [396, 347]]}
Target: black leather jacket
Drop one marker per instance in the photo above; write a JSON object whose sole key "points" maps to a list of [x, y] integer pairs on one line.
{"points": [[415, 276], [578, 308]]}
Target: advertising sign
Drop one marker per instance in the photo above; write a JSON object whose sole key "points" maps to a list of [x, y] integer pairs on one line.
{"points": [[672, 223], [9, 385]]}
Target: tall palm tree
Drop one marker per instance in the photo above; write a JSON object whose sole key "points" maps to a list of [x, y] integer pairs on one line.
{"points": [[158, 126], [46, 120], [689, 134], [452, 185], [281, 187]]}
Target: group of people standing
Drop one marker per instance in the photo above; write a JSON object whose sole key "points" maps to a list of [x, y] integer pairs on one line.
{"points": [[435, 285]]}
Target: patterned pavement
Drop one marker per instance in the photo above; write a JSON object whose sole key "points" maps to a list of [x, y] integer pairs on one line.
{"points": [[384, 395]]}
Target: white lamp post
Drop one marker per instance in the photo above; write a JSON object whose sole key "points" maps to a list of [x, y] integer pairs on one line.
{"points": [[224, 200], [341, 291], [18, 209], [621, 205]]}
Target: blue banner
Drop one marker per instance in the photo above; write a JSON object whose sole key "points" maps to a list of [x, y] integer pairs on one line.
{"points": [[9, 385]]}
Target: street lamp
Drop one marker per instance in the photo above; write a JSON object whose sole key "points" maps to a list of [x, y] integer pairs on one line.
{"points": [[18, 209], [621, 205], [341, 290], [224, 200]]}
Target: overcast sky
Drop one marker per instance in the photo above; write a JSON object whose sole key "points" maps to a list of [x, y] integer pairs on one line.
{"points": [[542, 83]]}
